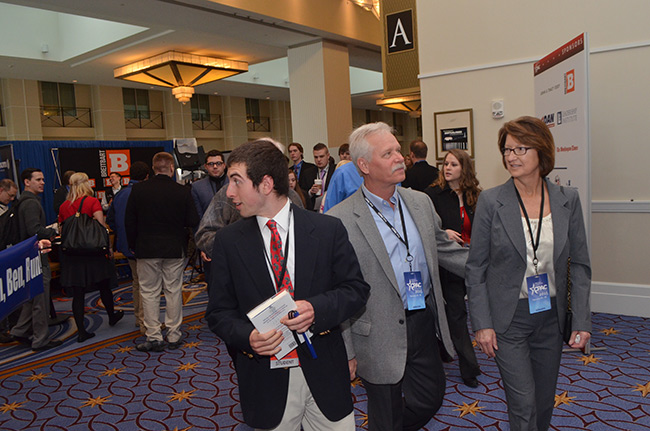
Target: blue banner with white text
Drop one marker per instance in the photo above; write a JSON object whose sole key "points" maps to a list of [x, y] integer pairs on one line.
{"points": [[21, 276]]}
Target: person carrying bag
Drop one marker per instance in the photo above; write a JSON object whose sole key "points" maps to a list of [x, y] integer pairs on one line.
{"points": [[86, 264]]}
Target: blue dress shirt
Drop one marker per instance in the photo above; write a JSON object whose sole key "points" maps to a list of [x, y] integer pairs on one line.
{"points": [[396, 248]]}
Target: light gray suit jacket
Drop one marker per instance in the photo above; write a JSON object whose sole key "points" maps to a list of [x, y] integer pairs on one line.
{"points": [[377, 334], [497, 259]]}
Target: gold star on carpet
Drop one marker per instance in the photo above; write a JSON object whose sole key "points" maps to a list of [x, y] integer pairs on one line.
{"points": [[610, 331], [125, 349], [364, 417], [187, 367], [563, 399], [474, 343], [10, 407], [93, 402], [192, 344], [194, 327], [188, 295], [34, 377], [112, 371], [644, 389], [465, 409], [184, 429], [180, 396], [356, 382], [589, 359]]}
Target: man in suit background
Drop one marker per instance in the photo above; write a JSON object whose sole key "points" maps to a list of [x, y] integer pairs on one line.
{"points": [[322, 271], [305, 171], [204, 189], [157, 214], [324, 170], [422, 174], [116, 220], [396, 338]]}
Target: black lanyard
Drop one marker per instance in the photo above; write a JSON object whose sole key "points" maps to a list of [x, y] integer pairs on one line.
{"points": [[404, 240], [285, 258], [530, 229]]}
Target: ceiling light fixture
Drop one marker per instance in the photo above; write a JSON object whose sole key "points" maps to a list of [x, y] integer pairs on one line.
{"points": [[411, 103], [180, 71]]}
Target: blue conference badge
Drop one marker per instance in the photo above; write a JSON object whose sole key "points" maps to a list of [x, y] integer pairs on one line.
{"points": [[414, 290], [539, 297]]}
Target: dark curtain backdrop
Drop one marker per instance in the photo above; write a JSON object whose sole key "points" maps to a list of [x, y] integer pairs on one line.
{"points": [[37, 154]]}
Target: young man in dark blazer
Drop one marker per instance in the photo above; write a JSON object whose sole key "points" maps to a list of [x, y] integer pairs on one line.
{"points": [[324, 276], [157, 214]]}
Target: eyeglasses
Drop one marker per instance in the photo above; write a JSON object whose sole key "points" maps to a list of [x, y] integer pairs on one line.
{"points": [[212, 164], [519, 151]]}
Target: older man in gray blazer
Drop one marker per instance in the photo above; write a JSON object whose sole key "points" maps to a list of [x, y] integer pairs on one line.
{"points": [[395, 340]]}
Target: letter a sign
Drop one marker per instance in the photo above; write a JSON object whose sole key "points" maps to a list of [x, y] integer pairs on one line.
{"points": [[399, 30]]}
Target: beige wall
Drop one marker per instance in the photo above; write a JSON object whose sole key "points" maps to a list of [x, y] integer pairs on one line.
{"points": [[492, 59]]}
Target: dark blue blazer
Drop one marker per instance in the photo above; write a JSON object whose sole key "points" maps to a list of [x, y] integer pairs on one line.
{"points": [[327, 275]]}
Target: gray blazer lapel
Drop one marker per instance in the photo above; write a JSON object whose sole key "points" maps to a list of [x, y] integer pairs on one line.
{"points": [[561, 215], [510, 216], [368, 228]]}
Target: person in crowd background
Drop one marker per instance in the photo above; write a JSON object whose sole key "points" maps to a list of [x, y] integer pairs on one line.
{"points": [[408, 162], [526, 233], [322, 274], [34, 313], [204, 189], [61, 194], [305, 171], [115, 179], [421, 174], [454, 195], [116, 220], [345, 181], [157, 214], [395, 338], [8, 192], [86, 273], [324, 169], [293, 185], [344, 152]]}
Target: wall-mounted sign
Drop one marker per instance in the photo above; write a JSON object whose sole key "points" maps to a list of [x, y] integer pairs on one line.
{"points": [[399, 32]]}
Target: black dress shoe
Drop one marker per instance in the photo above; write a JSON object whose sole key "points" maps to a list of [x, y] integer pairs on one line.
{"points": [[115, 317], [49, 345], [175, 345], [472, 382], [83, 336], [151, 346]]}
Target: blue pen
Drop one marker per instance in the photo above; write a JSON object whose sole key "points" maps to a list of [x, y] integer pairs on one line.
{"points": [[293, 314]]}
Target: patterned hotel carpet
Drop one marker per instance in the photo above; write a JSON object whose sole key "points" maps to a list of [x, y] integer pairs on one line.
{"points": [[106, 384]]}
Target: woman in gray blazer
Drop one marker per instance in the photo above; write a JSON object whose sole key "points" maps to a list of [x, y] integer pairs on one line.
{"points": [[523, 235]]}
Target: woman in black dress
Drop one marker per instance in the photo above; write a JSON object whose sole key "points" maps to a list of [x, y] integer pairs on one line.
{"points": [[454, 195], [86, 273]]}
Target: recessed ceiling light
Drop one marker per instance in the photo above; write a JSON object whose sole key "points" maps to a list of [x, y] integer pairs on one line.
{"points": [[74, 81]]}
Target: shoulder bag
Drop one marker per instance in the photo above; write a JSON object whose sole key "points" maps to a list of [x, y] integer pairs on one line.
{"points": [[83, 235]]}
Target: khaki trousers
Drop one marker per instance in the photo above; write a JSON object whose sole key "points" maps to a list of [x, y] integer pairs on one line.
{"points": [[158, 276]]}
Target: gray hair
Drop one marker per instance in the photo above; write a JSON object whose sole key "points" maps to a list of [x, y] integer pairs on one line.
{"points": [[360, 148]]}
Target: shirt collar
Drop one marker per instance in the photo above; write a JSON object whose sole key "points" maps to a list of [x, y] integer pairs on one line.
{"points": [[379, 202], [281, 218]]}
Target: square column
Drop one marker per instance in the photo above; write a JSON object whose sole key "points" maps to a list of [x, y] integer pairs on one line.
{"points": [[321, 106]]}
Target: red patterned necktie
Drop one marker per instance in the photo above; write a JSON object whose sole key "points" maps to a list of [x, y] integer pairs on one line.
{"points": [[276, 263], [276, 258]]}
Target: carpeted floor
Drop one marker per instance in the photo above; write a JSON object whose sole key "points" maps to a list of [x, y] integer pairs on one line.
{"points": [[106, 384]]}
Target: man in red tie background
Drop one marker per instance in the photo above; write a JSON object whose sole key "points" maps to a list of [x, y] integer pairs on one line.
{"points": [[278, 246]]}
